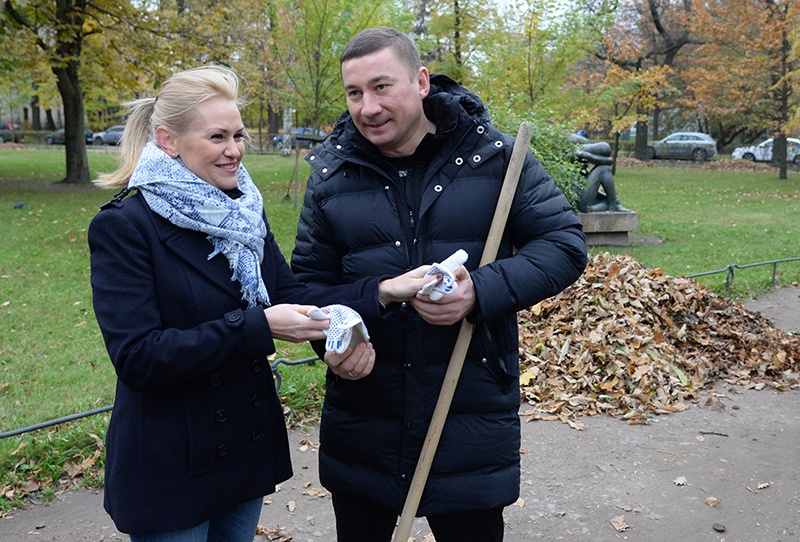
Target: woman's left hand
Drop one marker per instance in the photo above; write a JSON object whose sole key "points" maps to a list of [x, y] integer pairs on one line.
{"points": [[354, 363]]}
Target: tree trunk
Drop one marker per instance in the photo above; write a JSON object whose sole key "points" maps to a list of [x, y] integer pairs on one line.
{"points": [[69, 87], [36, 116], [51, 124], [70, 14], [640, 146], [779, 155]]}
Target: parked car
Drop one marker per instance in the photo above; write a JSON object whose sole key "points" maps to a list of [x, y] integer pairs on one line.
{"points": [[684, 146], [10, 131], [110, 136], [308, 138], [763, 151], [57, 137]]}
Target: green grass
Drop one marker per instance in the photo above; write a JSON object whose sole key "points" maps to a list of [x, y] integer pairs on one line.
{"points": [[708, 220], [53, 362]]}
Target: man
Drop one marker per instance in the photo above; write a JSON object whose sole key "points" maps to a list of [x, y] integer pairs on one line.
{"points": [[410, 174]]}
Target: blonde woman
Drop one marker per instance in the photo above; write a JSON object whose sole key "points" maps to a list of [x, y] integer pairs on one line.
{"points": [[190, 291]]}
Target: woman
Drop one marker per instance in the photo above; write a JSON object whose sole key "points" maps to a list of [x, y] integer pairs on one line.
{"points": [[190, 290]]}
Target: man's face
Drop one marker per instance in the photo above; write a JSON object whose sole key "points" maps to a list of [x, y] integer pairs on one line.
{"points": [[386, 102]]}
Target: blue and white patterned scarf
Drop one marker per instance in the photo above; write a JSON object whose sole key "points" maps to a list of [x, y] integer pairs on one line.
{"points": [[235, 227]]}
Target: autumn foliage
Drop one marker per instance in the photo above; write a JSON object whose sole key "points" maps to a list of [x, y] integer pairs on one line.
{"points": [[633, 342]]}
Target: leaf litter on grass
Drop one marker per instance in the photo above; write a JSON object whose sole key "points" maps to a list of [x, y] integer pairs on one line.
{"points": [[633, 342]]}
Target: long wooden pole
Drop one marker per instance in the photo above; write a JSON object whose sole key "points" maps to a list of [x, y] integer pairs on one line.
{"points": [[439, 418]]}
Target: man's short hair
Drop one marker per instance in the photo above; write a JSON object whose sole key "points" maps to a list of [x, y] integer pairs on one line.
{"points": [[379, 38]]}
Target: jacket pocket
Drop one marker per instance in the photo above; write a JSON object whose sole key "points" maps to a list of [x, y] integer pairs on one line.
{"points": [[504, 365], [198, 432]]}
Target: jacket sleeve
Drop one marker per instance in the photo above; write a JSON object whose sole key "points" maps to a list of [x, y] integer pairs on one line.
{"points": [[128, 302], [550, 249]]}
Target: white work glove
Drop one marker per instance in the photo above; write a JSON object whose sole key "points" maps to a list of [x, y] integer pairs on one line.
{"points": [[346, 327], [436, 289]]}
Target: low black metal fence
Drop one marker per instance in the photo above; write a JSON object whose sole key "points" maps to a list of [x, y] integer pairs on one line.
{"points": [[729, 270], [275, 373]]}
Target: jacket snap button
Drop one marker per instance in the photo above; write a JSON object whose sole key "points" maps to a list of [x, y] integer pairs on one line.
{"points": [[437, 188], [255, 401], [397, 243], [498, 144], [255, 435], [481, 129], [403, 477], [221, 415], [222, 451], [324, 170], [476, 158], [216, 379], [312, 158], [484, 360], [255, 366], [459, 161]]}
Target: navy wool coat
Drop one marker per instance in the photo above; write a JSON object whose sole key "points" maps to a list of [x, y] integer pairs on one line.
{"points": [[357, 222], [197, 426]]}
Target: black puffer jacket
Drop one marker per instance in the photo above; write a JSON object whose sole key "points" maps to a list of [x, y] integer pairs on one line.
{"points": [[355, 223]]}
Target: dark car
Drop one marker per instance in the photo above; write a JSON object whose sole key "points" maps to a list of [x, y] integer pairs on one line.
{"points": [[57, 137], [308, 138], [110, 136], [10, 132], [695, 146]]}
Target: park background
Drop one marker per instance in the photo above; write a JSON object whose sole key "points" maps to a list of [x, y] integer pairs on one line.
{"points": [[599, 65]]}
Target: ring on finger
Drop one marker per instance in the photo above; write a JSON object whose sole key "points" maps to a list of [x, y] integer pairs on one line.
{"points": [[351, 374]]}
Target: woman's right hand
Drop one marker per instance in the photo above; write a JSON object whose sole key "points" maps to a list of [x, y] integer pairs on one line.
{"points": [[291, 323], [405, 286]]}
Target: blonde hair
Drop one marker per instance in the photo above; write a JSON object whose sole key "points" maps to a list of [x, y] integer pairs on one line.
{"points": [[174, 108]]}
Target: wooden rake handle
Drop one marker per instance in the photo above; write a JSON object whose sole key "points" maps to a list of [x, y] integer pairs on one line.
{"points": [[439, 418]]}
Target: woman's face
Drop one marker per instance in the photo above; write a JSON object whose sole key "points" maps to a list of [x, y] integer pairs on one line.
{"points": [[213, 146]]}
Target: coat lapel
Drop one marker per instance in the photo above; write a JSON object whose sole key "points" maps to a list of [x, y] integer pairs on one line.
{"points": [[193, 248]]}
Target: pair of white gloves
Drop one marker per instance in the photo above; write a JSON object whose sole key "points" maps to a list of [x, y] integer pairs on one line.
{"points": [[346, 325]]}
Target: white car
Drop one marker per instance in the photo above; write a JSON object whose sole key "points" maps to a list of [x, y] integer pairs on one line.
{"points": [[763, 151]]}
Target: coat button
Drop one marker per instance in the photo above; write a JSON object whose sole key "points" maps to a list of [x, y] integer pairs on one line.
{"points": [[408, 366], [221, 415], [255, 435], [255, 401], [216, 379], [256, 366], [222, 451], [234, 317], [403, 477]]}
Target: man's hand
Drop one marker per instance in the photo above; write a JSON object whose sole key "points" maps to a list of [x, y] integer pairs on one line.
{"points": [[451, 308]]}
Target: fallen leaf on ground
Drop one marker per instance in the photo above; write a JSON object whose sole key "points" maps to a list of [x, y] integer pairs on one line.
{"points": [[618, 522], [680, 481]]}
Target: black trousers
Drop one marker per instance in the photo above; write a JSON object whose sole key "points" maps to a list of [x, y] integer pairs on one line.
{"points": [[360, 520]]}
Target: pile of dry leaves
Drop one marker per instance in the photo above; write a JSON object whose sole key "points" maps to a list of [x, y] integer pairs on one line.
{"points": [[632, 342], [716, 164]]}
